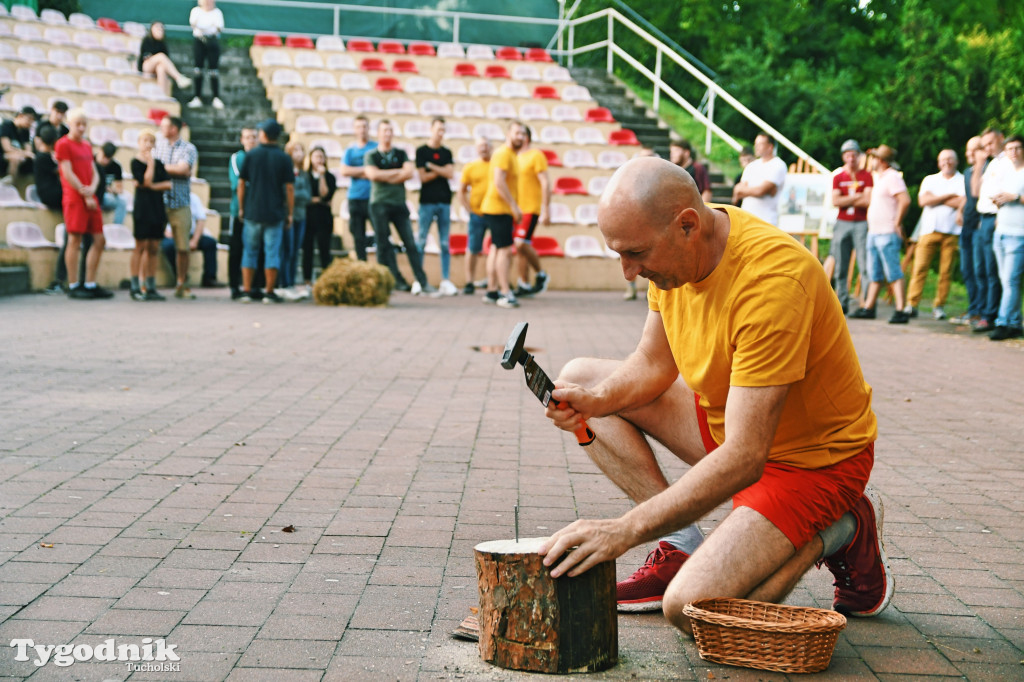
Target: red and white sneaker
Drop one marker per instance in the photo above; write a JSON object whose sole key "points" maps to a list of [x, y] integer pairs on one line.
{"points": [[644, 590], [863, 580]]}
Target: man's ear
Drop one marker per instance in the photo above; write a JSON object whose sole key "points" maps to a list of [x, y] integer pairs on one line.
{"points": [[688, 219]]}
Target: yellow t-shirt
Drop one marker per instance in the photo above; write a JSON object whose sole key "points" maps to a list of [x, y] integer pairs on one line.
{"points": [[532, 163], [767, 316], [477, 175], [505, 159]]}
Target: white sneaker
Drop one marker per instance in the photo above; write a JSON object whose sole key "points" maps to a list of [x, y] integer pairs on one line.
{"points": [[217, 103], [183, 82], [417, 289], [447, 288], [286, 294], [195, 103], [508, 301], [304, 292], [480, 284], [939, 313]]}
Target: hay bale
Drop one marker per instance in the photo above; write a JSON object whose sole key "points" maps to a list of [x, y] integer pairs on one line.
{"points": [[352, 282]]}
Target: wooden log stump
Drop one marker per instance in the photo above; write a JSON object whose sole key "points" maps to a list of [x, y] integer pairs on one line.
{"points": [[531, 621]]}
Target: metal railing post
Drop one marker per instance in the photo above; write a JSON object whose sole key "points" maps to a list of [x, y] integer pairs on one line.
{"points": [[337, 20], [455, 29], [611, 36], [711, 118], [657, 77], [572, 43]]}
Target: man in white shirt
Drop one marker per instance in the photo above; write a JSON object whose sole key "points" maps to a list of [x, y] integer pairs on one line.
{"points": [[762, 180], [941, 196], [986, 271]]}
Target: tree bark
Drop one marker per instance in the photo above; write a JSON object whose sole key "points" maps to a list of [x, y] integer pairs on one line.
{"points": [[531, 621]]}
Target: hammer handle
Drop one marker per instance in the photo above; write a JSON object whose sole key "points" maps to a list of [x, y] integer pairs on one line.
{"points": [[584, 436]]}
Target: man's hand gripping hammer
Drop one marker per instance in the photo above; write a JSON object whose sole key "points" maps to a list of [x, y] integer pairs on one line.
{"points": [[536, 380]]}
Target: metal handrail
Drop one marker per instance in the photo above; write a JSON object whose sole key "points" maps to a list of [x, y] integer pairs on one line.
{"points": [[661, 87]]}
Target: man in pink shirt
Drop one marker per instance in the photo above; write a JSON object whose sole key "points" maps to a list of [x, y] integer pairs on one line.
{"points": [[888, 207]]}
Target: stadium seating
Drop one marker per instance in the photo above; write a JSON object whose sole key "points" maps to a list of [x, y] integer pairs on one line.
{"points": [[623, 137], [584, 246], [552, 157], [599, 115], [496, 71], [509, 53], [538, 54], [390, 47], [372, 64], [266, 40], [422, 49], [569, 185], [360, 46], [299, 42], [25, 235], [109, 25], [458, 244], [546, 245], [404, 66], [466, 69], [388, 84], [545, 92], [330, 44], [586, 214]]}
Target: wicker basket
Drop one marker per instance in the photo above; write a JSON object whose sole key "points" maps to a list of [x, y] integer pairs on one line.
{"points": [[752, 634]]}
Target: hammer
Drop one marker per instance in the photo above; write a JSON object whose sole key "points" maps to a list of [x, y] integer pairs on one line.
{"points": [[536, 380]]}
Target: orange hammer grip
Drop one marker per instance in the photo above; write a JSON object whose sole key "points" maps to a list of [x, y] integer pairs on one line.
{"points": [[584, 436]]}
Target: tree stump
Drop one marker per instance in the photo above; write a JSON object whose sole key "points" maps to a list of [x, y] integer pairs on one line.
{"points": [[531, 621]]}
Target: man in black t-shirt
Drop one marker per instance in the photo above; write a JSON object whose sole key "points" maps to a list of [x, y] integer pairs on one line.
{"points": [[266, 200], [58, 112], [113, 175], [47, 172], [16, 154], [435, 168]]}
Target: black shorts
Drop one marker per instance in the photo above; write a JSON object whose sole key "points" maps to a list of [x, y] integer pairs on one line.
{"points": [[500, 226], [524, 230]]}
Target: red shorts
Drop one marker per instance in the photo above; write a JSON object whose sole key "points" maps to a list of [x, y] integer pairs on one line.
{"points": [[524, 230], [801, 502], [80, 220]]}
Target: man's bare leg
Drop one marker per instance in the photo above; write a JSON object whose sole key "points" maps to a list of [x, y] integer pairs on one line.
{"points": [[745, 557], [92, 256], [71, 253], [622, 450]]}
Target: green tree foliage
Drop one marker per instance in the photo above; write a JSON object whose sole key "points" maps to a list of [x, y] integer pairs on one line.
{"points": [[919, 75]]}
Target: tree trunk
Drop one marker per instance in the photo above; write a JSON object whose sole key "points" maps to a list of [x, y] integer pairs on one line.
{"points": [[530, 621]]}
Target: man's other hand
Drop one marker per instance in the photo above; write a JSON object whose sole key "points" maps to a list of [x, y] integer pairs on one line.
{"points": [[584, 544]]}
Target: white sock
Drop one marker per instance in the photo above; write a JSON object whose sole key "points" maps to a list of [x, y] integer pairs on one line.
{"points": [[90, 285], [838, 535], [686, 539]]}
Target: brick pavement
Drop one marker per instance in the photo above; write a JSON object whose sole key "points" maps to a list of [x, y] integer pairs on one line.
{"points": [[161, 449]]}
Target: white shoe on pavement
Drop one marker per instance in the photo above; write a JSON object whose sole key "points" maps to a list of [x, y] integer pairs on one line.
{"points": [[417, 289], [939, 313], [447, 288], [195, 103], [217, 103]]}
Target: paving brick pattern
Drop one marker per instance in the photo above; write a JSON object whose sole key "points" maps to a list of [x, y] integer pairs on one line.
{"points": [[162, 449]]}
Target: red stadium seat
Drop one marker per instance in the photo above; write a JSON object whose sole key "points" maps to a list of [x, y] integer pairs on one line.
{"points": [[109, 25], [422, 49], [510, 53], [390, 47], [157, 115], [546, 245], [569, 185], [545, 92], [466, 69], [372, 64], [552, 157], [538, 54], [266, 40], [600, 115], [457, 244], [496, 71], [388, 84], [404, 66], [303, 42], [624, 137], [360, 46]]}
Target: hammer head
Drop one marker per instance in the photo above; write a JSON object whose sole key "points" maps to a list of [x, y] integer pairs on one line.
{"points": [[514, 348]]}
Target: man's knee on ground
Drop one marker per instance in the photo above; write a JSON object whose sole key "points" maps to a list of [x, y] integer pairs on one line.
{"points": [[672, 605]]}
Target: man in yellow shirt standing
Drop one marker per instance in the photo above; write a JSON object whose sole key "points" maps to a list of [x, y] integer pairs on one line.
{"points": [[501, 212], [745, 371], [476, 178], [535, 202]]}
